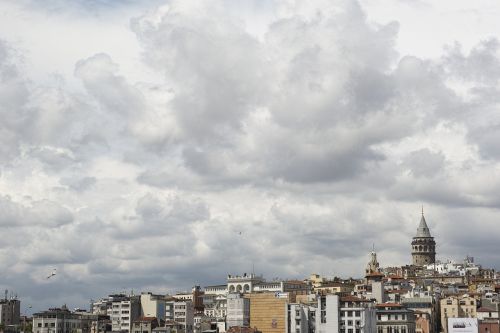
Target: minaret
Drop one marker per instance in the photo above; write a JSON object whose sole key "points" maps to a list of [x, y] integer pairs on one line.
{"points": [[423, 245]]}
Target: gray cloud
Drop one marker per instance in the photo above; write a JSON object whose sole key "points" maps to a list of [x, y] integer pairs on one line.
{"points": [[42, 213], [425, 163], [308, 137]]}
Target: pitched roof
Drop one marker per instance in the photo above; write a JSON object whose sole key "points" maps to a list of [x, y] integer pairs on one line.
{"points": [[423, 229], [484, 309]]}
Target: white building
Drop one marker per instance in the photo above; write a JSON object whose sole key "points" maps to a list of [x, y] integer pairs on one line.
{"points": [[244, 283], [357, 315], [301, 318], [59, 320], [393, 318], [238, 311], [153, 305], [327, 314], [124, 312], [216, 290], [347, 314], [181, 312], [215, 306]]}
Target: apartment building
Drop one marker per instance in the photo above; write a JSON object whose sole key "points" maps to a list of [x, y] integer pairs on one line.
{"points": [[153, 305], [394, 318], [456, 306], [59, 320], [238, 311], [327, 314], [426, 309], [10, 312], [180, 312], [124, 312], [357, 315], [301, 318]]}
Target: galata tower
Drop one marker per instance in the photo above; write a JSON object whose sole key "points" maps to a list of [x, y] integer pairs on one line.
{"points": [[423, 245]]}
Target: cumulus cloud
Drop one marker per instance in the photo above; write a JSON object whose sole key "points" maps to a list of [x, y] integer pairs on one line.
{"points": [[42, 213], [295, 130]]}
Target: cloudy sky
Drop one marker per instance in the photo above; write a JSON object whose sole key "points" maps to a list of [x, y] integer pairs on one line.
{"points": [[154, 145]]}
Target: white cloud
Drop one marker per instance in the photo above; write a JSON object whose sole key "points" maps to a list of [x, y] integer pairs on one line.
{"points": [[286, 131]]}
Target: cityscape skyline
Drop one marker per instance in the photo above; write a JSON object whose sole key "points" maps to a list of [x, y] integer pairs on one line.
{"points": [[156, 145], [373, 266]]}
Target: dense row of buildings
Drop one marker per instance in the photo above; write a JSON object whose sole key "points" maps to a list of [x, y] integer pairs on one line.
{"points": [[424, 297]]}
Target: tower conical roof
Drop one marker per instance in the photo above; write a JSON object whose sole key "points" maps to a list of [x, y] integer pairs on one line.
{"points": [[423, 229]]}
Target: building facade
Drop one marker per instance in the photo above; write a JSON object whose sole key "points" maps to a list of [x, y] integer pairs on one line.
{"points": [[123, 313], [238, 311], [10, 312], [268, 311], [457, 307], [393, 318], [59, 320], [153, 306]]}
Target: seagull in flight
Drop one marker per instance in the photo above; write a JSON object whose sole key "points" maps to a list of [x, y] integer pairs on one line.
{"points": [[52, 274]]}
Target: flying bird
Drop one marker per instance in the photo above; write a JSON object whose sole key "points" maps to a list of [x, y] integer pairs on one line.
{"points": [[52, 274]]}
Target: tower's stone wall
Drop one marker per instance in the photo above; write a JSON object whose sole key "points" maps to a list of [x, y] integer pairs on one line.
{"points": [[423, 251]]}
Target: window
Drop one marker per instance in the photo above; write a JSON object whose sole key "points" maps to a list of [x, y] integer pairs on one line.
{"points": [[357, 313]]}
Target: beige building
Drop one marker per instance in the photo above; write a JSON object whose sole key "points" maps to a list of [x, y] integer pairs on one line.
{"points": [[268, 311], [457, 307], [333, 288], [316, 280]]}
